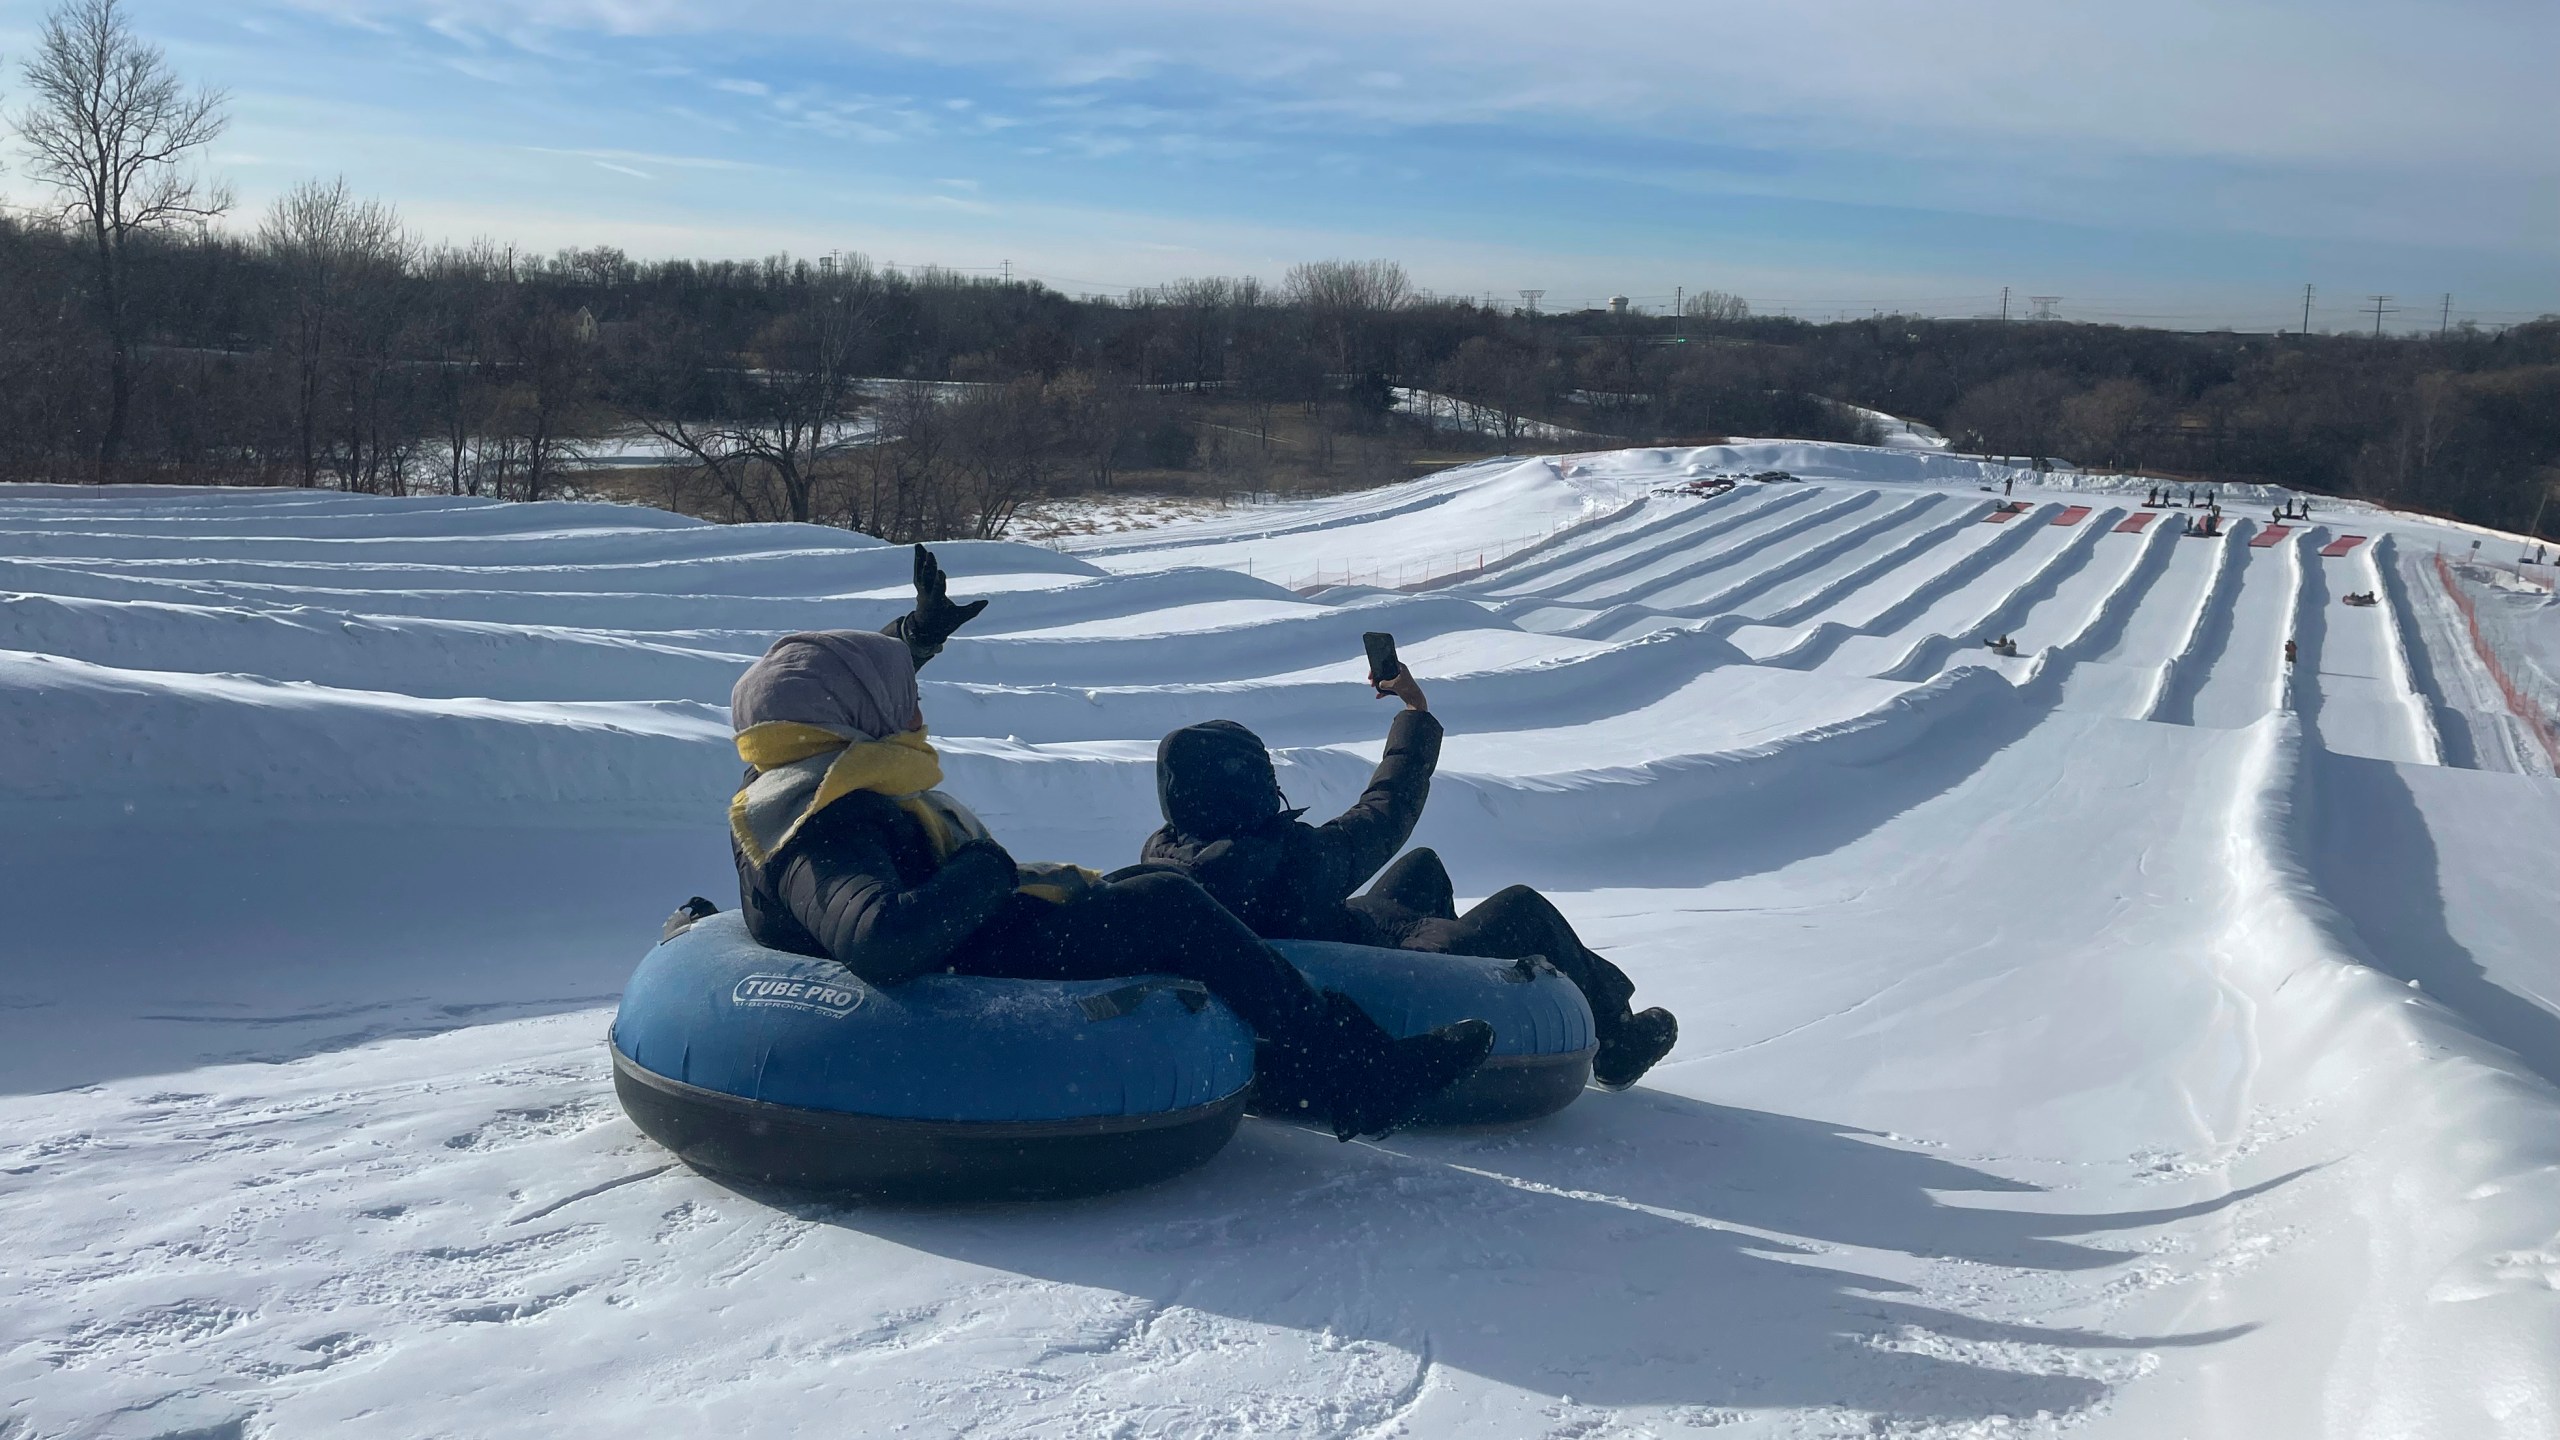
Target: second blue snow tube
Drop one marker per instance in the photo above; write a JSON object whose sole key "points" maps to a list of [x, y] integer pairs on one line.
{"points": [[1543, 1035], [786, 1069]]}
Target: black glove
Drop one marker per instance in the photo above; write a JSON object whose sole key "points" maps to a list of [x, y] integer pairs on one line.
{"points": [[986, 845], [935, 616]]}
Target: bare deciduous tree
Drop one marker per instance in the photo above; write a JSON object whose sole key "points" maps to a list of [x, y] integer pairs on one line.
{"points": [[2103, 422], [1006, 440], [1343, 299], [341, 259], [1716, 306], [764, 431], [547, 356], [1508, 379], [111, 129], [2016, 414]]}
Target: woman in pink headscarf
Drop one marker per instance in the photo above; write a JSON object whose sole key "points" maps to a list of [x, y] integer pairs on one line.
{"points": [[846, 848]]}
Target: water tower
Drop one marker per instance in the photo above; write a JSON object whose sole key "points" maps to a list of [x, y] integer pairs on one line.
{"points": [[1617, 304]]}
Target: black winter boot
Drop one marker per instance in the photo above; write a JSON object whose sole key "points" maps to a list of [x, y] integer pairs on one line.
{"points": [[1629, 1046], [1378, 1083], [694, 909]]}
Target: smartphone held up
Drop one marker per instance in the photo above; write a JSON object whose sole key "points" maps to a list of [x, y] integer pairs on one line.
{"points": [[1383, 665]]}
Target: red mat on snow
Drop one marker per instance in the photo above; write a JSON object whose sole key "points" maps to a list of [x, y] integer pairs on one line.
{"points": [[2341, 545], [2001, 517], [2269, 536], [2133, 524], [2072, 515]]}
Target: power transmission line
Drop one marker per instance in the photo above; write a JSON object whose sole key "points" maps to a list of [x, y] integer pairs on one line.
{"points": [[2381, 306]]}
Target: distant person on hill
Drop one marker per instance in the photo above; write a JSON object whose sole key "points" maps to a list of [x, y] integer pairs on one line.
{"points": [[1228, 826], [846, 849]]}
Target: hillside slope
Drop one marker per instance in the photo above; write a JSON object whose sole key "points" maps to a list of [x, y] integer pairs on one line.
{"points": [[2141, 1035]]}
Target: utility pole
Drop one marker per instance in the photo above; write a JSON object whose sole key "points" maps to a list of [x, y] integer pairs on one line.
{"points": [[1008, 272], [2306, 312], [2004, 302], [2444, 319], [2381, 306], [1679, 307]]}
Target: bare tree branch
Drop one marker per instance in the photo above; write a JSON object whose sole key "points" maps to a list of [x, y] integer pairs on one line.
{"points": [[110, 129]]}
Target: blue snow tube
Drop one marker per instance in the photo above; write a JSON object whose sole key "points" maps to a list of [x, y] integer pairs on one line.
{"points": [[785, 1069], [1543, 1036]]}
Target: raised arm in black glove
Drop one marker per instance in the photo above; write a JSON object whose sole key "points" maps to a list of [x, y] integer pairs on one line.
{"points": [[935, 617]]}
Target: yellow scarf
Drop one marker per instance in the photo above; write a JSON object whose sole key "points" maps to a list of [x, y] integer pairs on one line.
{"points": [[901, 767], [769, 810]]}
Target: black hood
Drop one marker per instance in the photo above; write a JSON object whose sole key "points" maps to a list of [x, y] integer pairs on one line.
{"points": [[1214, 780]]}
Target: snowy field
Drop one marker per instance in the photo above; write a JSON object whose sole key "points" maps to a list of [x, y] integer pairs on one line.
{"points": [[2136, 1037]]}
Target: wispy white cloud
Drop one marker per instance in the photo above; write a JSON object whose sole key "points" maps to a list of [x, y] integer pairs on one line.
{"points": [[870, 119], [643, 157], [701, 120], [491, 72], [1638, 134], [2253, 79]]}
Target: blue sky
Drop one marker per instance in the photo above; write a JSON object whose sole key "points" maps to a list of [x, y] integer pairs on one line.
{"points": [[2171, 162]]}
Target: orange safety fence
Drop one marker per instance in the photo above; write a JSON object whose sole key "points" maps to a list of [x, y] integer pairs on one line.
{"points": [[2527, 710], [1408, 573]]}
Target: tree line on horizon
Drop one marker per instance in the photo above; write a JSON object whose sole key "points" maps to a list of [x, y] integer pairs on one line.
{"points": [[328, 346]]}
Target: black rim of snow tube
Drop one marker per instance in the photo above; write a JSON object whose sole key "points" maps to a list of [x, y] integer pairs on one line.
{"points": [[1512, 1089], [876, 1157], [1505, 1090]]}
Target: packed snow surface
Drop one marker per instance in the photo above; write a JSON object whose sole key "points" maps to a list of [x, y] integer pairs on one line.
{"points": [[2140, 1035]]}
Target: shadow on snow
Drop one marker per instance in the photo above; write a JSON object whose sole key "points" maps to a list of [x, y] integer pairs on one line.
{"points": [[1609, 1254]]}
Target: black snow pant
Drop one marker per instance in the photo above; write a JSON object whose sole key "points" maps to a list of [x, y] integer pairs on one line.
{"points": [[1155, 923], [1415, 904]]}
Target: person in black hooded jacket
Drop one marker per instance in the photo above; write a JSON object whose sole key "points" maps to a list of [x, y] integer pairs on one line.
{"points": [[846, 848], [1228, 826]]}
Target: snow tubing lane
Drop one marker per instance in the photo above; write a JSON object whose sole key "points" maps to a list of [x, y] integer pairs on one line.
{"points": [[1543, 1035], [785, 1069]]}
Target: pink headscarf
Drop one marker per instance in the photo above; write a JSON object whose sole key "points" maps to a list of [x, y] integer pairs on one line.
{"points": [[858, 683]]}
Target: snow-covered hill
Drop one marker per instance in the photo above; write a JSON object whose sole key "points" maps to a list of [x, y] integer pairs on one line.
{"points": [[2138, 1036]]}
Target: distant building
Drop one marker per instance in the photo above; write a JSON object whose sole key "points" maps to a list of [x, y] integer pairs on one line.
{"points": [[1617, 304]]}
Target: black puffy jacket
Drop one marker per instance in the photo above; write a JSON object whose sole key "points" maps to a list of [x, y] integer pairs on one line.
{"points": [[1227, 827], [858, 883]]}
